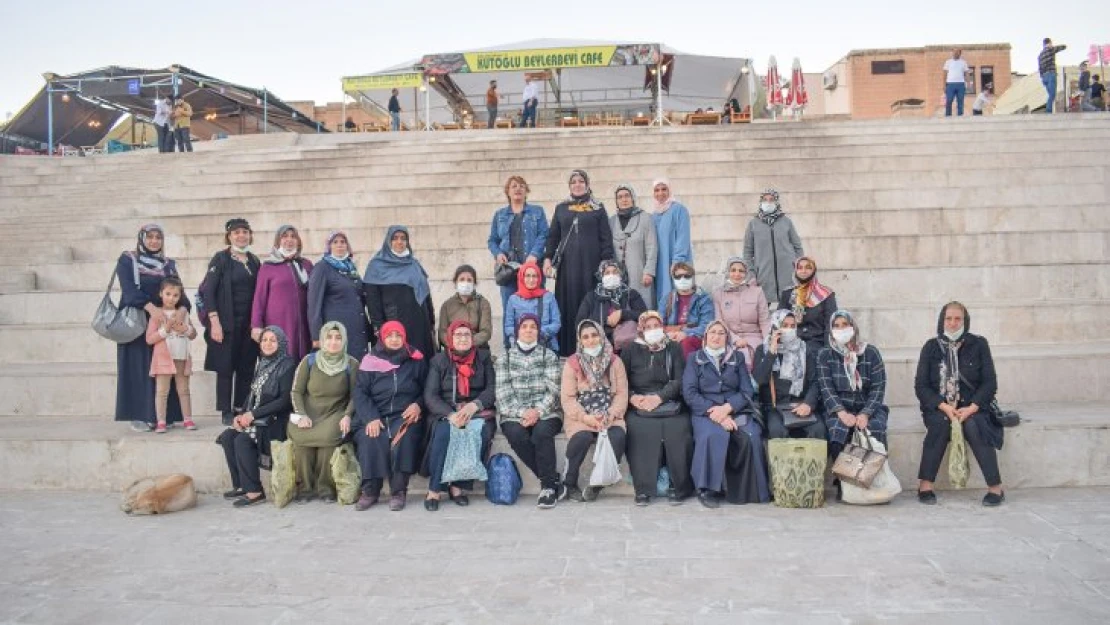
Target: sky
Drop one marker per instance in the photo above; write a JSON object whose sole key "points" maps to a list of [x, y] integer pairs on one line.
{"points": [[300, 50]]}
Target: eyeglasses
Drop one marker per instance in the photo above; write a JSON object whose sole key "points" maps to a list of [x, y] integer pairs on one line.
{"points": [[679, 276]]}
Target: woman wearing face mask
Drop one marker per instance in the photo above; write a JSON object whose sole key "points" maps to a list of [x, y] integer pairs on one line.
{"points": [[335, 294], [467, 304], [532, 298], [388, 424], [851, 378], [579, 239], [728, 436], [771, 245], [672, 230], [281, 292], [323, 402], [786, 373], [687, 310], [594, 394], [517, 232], [658, 421], [396, 289], [612, 303], [228, 293], [956, 383], [812, 304], [741, 305], [635, 244]]}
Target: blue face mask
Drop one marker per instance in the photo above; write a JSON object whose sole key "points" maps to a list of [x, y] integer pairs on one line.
{"points": [[954, 335]]}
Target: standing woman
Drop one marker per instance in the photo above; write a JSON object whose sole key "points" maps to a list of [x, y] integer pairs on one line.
{"points": [[335, 294], [281, 293], [635, 244], [741, 305], [772, 245], [134, 386], [517, 232], [396, 288], [672, 228], [579, 239], [228, 291], [812, 304], [468, 305]]}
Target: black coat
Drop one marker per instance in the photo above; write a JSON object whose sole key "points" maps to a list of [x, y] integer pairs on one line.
{"points": [[441, 395], [385, 396], [648, 371], [271, 417], [217, 296], [813, 327], [397, 302], [595, 307], [586, 245], [978, 382], [764, 369]]}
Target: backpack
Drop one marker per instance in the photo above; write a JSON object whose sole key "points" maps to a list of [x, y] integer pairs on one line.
{"points": [[504, 483]]}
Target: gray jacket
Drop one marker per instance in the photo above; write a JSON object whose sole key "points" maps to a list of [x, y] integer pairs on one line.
{"points": [[772, 251]]}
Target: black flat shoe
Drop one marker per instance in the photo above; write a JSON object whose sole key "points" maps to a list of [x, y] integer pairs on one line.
{"points": [[460, 500], [431, 505], [643, 500], [708, 499], [992, 500], [927, 497], [329, 499], [234, 493], [245, 501], [675, 499]]}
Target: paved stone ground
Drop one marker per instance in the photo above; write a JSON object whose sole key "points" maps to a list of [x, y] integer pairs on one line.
{"points": [[1043, 557]]}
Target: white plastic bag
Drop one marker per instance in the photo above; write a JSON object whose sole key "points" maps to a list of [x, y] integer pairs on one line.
{"points": [[606, 469], [884, 488]]}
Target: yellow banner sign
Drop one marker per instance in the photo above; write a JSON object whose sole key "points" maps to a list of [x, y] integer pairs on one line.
{"points": [[518, 60], [355, 84]]}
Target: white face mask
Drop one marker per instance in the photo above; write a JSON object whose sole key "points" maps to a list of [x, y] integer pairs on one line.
{"points": [[340, 256], [526, 346], [654, 335], [466, 289], [241, 250], [288, 253], [954, 335], [610, 282], [592, 352], [789, 335], [843, 335], [684, 284], [402, 254], [715, 352], [767, 207]]}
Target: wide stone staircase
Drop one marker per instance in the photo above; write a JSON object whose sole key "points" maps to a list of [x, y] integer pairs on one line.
{"points": [[1008, 215]]}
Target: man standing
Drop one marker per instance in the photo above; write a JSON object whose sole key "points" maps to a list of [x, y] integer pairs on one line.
{"points": [[531, 98], [163, 111], [1046, 62], [491, 103], [182, 118], [394, 112], [955, 83]]}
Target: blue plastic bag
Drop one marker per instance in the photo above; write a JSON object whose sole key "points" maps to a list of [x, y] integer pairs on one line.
{"points": [[464, 452], [504, 483], [663, 482]]}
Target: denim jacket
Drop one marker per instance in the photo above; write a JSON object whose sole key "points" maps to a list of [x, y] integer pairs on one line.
{"points": [[535, 231]]}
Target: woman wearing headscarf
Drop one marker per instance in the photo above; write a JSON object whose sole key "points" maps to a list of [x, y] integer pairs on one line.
{"points": [[528, 406], [635, 244], [786, 375], [579, 239], [265, 418], [740, 303], [532, 298], [461, 386], [728, 435], [956, 382], [672, 229], [388, 422], [594, 395], [658, 420], [518, 231], [323, 402], [396, 289], [812, 304], [468, 305], [771, 245], [281, 292], [612, 303], [140, 274], [335, 294], [687, 310], [228, 292], [851, 378]]}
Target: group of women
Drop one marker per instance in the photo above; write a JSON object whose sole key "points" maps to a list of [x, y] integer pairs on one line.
{"points": [[688, 384]]}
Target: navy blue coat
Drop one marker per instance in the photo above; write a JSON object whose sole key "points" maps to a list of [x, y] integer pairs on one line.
{"points": [[333, 296], [385, 396], [705, 386]]}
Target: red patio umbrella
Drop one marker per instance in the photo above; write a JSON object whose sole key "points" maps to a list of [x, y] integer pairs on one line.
{"points": [[797, 96], [774, 85]]}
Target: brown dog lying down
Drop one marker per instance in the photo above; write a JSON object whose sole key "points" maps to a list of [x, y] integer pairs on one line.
{"points": [[159, 495]]}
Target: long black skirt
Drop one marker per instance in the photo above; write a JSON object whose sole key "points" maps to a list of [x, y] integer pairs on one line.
{"points": [[135, 386]]}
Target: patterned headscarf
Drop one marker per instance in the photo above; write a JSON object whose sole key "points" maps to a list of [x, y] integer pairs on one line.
{"points": [[327, 362], [950, 364], [595, 368], [771, 217], [582, 203], [646, 316], [808, 293], [345, 266], [791, 363], [151, 263], [617, 295], [850, 352], [267, 365]]}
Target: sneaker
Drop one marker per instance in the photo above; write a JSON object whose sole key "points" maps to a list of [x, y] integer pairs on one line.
{"points": [[992, 500], [141, 426], [547, 498], [365, 502], [708, 499], [591, 493], [160, 428], [574, 493], [561, 491], [643, 500], [189, 425]]}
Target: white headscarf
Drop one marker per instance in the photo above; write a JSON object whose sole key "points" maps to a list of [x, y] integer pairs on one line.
{"points": [[662, 208]]}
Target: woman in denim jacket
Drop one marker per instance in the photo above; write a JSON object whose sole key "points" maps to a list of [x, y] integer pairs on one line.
{"points": [[518, 231]]}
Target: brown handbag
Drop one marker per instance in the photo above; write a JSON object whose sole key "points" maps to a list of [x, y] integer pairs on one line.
{"points": [[858, 463]]}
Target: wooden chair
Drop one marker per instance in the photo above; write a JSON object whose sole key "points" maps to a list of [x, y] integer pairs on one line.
{"points": [[703, 119], [740, 118], [570, 122]]}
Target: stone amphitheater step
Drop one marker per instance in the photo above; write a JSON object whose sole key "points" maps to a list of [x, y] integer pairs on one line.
{"points": [[1054, 446]]}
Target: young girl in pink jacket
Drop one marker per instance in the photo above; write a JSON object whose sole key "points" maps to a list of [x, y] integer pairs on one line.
{"points": [[170, 333]]}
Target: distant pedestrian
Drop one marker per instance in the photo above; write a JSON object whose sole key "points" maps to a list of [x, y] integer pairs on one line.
{"points": [[1085, 89], [491, 104], [163, 112], [955, 82], [182, 119], [1046, 62], [350, 125], [394, 112], [531, 99], [1098, 90]]}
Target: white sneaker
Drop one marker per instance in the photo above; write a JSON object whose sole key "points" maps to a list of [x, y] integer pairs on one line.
{"points": [[546, 499]]}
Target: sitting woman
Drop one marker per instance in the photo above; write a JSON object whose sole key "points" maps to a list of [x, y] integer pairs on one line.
{"points": [[851, 379], [956, 383], [658, 421], [531, 297], [741, 304], [461, 386], [267, 415], [812, 304], [322, 407], [786, 373], [687, 310], [728, 434], [594, 393], [468, 305], [389, 401], [528, 404], [612, 304]]}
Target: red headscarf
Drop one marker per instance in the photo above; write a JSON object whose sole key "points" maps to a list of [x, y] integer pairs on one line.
{"points": [[378, 361], [523, 291], [464, 364]]}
